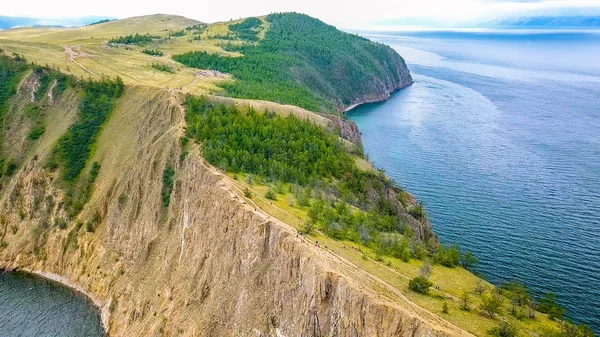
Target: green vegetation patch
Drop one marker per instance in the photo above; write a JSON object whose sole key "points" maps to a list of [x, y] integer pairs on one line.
{"points": [[137, 39], [178, 33], [47, 77], [11, 72], [101, 21], [168, 180], [283, 148], [302, 61], [247, 29], [343, 201], [74, 147], [195, 29], [162, 67], [153, 52]]}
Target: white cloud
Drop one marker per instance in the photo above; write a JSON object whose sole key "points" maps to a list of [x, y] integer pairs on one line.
{"points": [[349, 13]]}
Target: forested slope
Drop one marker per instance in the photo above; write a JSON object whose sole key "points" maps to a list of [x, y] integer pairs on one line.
{"points": [[305, 62]]}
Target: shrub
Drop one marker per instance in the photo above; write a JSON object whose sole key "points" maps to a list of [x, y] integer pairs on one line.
{"points": [[247, 193], [153, 52], [548, 304], [468, 260], [37, 132], [492, 304], [420, 285], [465, 301], [448, 257], [504, 329], [168, 180], [271, 195], [162, 67], [418, 211]]}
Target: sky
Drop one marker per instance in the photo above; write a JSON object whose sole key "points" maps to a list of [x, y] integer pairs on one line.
{"points": [[342, 13]]}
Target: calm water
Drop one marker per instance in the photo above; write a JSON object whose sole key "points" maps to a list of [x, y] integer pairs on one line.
{"points": [[33, 306], [500, 137]]}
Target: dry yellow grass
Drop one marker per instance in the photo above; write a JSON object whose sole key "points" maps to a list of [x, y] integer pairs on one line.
{"points": [[84, 52]]}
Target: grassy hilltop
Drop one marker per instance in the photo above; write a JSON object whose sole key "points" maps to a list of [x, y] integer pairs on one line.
{"points": [[57, 120]]}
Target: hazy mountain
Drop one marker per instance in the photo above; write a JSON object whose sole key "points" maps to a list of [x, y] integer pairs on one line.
{"points": [[7, 22]]}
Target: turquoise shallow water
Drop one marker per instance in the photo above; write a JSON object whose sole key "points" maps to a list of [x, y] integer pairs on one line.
{"points": [[32, 306], [500, 137]]}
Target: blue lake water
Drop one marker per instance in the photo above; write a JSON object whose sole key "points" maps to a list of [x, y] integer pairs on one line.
{"points": [[31, 306], [500, 137]]}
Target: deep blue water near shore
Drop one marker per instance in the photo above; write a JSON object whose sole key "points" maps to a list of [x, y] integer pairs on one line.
{"points": [[33, 306], [500, 137]]}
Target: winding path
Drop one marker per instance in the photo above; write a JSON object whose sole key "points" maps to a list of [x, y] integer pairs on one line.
{"points": [[72, 55]]}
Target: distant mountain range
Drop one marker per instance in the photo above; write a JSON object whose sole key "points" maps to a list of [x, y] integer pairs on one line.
{"points": [[7, 22], [547, 21]]}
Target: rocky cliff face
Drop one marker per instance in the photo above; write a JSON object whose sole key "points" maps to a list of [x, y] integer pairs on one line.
{"points": [[209, 265], [382, 87], [346, 129]]}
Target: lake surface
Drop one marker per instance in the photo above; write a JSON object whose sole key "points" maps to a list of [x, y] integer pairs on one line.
{"points": [[500, 137], [34, 306]]}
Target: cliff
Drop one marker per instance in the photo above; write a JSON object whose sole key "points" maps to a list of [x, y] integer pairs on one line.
{"points": [[209, 265]]}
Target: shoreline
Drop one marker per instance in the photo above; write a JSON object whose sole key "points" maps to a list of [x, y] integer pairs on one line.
{"points": [[100, 305], [389, 95]]}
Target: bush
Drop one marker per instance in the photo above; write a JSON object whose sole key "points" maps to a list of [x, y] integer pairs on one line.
{"points": [[468, 260], [37, 132], [247, 193], [420, 285], [465, 301], [492, 304], [271, 195], [548, 304], [448, 257], [504, 329]]}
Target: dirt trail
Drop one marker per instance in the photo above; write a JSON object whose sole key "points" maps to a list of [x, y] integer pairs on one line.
{"points": [[72, 55]]}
